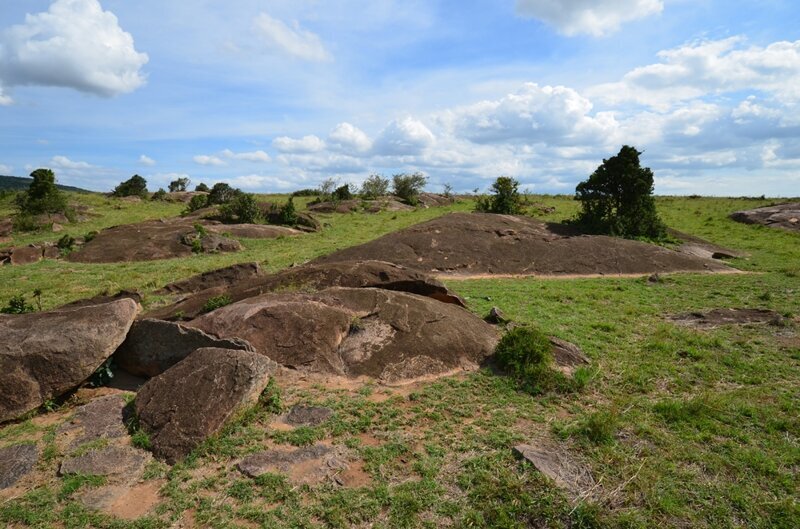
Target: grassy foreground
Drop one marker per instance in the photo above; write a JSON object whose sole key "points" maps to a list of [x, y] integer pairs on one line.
{"points": [[680, 427]]}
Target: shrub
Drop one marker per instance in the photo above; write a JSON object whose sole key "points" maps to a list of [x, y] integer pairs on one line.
{"points": [[407, 186], [90, 235], [66, 244], [505, 198], [526, 354], [195, 203], [135, 186], [447, 190], [159, 195], [42, 195], [617, 199], [179, 184], [599, 427], [306, 193], [17, 305], [326, 188], [216, 302], [201, 187], [24, 222], [288, 213], [342, 193], [243, 208], [222, 193], [375, 186]]}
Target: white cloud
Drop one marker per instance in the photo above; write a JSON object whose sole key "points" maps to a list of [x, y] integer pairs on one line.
{"points": [[306, 144], [349, 139], [74, 44], [5, 99], [254, 156], [593, 17], [407, 136], [293, 41], [5, 169], [204, 159], [146, 160], [62, 162], [710, 68], [255, 182]]}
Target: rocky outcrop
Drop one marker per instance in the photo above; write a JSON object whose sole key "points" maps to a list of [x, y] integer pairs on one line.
{"points": [[785, 216], [193, 399], [387, 335], [102, 418], [111, 460], [221, 277], [45, 354], [153, 346]]}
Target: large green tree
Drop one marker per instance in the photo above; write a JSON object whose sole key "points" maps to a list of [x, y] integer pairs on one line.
{"points": [[42, 195], [505, 198], [135, 186], [617, 199]]}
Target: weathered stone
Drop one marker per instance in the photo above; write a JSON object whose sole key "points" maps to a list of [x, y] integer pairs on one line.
{"points": [[305, 465], [26, 255], [567, 355], [108, 461], [45, 354], [496, 316], [392, 336], [557, 465], [153, 346], [216, 243], [301, 415], [221, 277], [785, 216], [104, 298], [194, 398], [253, 231], [102, 418], [16, 461]]}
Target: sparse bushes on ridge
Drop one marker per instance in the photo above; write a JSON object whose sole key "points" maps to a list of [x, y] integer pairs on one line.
{"points": [[179, 184], [375, 186], [617, 199], [408, 186], [505, 198], [308, 192], [159, 195], [135, 186]]}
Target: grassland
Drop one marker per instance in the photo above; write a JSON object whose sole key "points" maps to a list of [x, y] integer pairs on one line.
{"points": [[680, 427]]}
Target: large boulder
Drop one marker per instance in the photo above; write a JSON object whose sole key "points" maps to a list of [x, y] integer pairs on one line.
{"points": [[45, 354], [193, 399], [470, 244], [310, 278], [391, 336], [785, 216], [221, 277], [153, 346]]}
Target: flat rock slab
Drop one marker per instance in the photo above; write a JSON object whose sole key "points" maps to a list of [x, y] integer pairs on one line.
{"points": [[221, 277], [306, 465], [103, 418], [556, 464], [717, 317], [301, 415], [153, 346], [314, 277], [16, 461], [470, 244], [45, 354], [253, 231], [391, 336], [567, 355], [784, 216], [125, 461], [702, 248], [193, 399]]}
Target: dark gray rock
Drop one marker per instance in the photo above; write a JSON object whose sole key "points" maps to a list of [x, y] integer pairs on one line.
{"points": [[301, 415], [15, 462], [567, 355], [193, 399], [102, 418], [496, 316], [308, 464], [108, 461], [153, 346]]}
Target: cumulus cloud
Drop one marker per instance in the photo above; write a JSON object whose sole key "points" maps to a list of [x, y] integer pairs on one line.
{"points": [[348, 138], [146, 160], [710, 68], [406, 136], [290, 40], [74, 44], [256, 181], [5, 99], [593, 17], [204, 159], [62, 162], [253, 156], [306, 144], [5, 169]]}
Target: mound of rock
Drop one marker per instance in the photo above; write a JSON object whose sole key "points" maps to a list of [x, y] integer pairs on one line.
{"points": [[45, 354], [702, 248], [33, 253], [785, 216], [221, 277], [252, 231], [431, 200], [305, 278], [468, 244], [390, 336]]}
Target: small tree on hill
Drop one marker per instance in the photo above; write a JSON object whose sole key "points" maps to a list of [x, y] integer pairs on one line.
{"points": [[243, 208], [222, 193], [407, 186], [288, 213], [375, 186], [342, 193], [179, 184], [617, 199], [505, 198], [201, 187], [135, 186], [42, 195]]}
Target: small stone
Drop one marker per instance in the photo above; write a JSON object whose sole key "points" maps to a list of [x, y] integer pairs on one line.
{"points": [[301, 415], [15, 462], [496, 317]]}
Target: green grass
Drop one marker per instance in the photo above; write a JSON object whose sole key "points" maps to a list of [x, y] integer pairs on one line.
{"points": [[681, 427]]}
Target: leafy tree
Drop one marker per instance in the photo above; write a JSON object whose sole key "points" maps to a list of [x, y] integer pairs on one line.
{"points": [[178, 184], [407, 186], [135, 186], [201, 187], [288, 213], [617, 199], [342, 193], [42, 195], [222, 193], [505, 198], [196, 202], [375, 186], [243, 208], [326, 188]]}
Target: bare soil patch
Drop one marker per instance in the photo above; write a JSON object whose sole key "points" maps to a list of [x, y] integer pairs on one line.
{"points": [[717, 317]]}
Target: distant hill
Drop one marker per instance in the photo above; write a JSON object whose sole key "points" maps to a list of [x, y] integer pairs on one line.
{"points": [[22, 183]]}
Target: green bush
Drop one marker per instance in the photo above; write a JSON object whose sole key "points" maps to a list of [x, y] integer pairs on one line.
{"points": [[90, 235], [505, 198], [17, 305], [243, 209], [41, 197], [216, 302], [179, 184], [159, 195], [617, 199], [66, 244], [342, 193], [195, 203], [408, 186], [222, 193], [288, 213], [375, 186], [308, 192], [135, 186], [526, 354], [201, 187]]}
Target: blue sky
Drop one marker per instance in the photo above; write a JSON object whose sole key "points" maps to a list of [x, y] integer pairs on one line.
{"points": [[279, 95]]}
